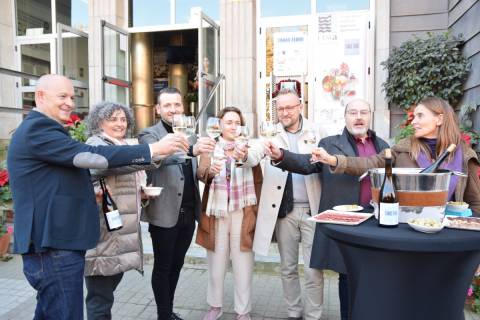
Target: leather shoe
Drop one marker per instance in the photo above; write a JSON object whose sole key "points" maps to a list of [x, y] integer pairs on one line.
{"points": [[174, 316]]}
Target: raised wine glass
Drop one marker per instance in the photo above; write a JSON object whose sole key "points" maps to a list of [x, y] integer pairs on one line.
{"points": [[268, 131], [179, 126], [241, 140]]}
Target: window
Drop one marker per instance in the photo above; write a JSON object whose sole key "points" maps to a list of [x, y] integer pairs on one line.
{"points": [[35, 60], [73, 13], [344, 5], [34, 17], [275, 8], [149, 12]]}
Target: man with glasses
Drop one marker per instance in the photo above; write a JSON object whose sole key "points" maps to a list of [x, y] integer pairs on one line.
{"points": [[286, 203], [337, 189]]}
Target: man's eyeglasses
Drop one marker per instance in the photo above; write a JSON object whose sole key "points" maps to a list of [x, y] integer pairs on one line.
{"points": [[287, 108], [355, 113]]}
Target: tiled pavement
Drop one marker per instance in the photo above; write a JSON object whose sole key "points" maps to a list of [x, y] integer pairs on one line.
{"points": [[134, 297]]}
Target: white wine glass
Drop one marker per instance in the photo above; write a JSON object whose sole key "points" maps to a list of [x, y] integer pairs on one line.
{"points": [[213, 127], [268, 131], [190, 124], [179, 126], [241, 140], [218, 155]]}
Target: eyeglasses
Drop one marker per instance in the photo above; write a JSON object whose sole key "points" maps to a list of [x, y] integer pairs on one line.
{"points": [[355, 113], [287, 108]]}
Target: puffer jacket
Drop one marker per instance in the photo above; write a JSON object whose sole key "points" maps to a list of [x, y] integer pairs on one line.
{"points": [[121, 250]]}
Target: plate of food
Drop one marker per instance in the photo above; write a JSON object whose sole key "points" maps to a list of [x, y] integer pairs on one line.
{"points": [[341, 217], [426, 225], [456, 206], [466, 223], [348, 208]]}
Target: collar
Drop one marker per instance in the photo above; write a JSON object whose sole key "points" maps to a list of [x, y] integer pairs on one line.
{"points": [[46, 115], [299, 128], [115, 141], [167, 126]]}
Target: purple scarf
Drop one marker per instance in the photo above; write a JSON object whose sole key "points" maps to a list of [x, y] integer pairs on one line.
{"points": [[455, 165]]}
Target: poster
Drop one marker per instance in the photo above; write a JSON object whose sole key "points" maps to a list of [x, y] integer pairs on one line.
{"points": [[290, 53], [341, 69]]}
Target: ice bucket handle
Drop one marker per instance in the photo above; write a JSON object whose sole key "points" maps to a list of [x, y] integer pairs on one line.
{"points": [[458, 173], [363, 176]]}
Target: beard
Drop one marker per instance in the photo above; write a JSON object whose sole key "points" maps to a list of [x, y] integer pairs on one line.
{"points": [[358, 131]]}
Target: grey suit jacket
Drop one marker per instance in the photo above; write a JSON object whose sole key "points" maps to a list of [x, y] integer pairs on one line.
{"points": [[163, 211]]}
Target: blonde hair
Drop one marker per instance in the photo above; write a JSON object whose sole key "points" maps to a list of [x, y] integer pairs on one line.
{"points": [[448, 131]]}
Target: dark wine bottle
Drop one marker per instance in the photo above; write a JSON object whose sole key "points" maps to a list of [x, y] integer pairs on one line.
{"points": [[388, 202], [435, 165], [113, 221]]}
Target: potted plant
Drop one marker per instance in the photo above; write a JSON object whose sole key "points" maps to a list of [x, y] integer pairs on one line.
{"points": [[421, 68], [5, 208]]}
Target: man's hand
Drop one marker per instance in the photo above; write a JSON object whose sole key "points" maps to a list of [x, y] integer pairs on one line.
{"points": [[240, 152], [170, 144], [321, 155], [204, 145], [273, 151]]}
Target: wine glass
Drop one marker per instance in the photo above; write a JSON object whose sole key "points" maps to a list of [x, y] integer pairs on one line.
{"points": [[241, 140], [309, 137], [218, 156], [179, 126], [213, 127], [190, 124], [268, 130]]}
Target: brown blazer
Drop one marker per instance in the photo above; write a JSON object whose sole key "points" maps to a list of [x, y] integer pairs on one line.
{"points": [[468, 189], [206, 227]]}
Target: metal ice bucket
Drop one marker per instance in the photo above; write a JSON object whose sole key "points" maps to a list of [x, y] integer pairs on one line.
{"points": [[419, 194]]}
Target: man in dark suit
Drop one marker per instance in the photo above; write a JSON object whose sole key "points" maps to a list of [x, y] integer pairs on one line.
{"points": [[337, 189], [171, 216], [56, 215]]}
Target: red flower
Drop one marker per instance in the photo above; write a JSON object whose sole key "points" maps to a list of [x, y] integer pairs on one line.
{"points": [[73, 120], [466, 137], [3, 178]]}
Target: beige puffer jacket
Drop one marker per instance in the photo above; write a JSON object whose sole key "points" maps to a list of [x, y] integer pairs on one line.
{"points": [[121, 250]]}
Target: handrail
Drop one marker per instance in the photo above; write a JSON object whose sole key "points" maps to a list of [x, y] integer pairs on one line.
{"points": [[15, 73], [210, 97]]}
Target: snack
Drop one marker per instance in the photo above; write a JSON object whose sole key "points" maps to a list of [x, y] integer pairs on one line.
{"points": [[339, 217], [426, 222], [468, 223]]}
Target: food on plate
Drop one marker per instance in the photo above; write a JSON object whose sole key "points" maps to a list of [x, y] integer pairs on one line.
{"points": [[426, 222], [456, 203], [339, 217], [470, 223]]}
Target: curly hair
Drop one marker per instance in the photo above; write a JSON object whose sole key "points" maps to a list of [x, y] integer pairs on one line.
{"points": [[103, 111]]}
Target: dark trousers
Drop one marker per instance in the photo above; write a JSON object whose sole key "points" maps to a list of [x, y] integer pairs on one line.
{"points": [[170, 246], [57, 275], [343, 295], [99, 300]]}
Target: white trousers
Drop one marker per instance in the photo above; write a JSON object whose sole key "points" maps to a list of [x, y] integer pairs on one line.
{"points": [[290, 232], [227, 244]]}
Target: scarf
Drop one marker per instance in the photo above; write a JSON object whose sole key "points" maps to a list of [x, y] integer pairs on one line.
{"points": [[456, 164], [231, 190]]}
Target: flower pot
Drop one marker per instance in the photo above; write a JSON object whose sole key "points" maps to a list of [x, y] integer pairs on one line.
{"points": [[4, 244]]}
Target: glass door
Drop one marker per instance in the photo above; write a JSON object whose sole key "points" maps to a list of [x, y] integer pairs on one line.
{"points": [[208, 68], [115, 64], [72, 62]]}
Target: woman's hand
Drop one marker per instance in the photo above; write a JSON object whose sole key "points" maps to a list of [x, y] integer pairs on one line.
{"points": [[216, 167], [240, 152]]}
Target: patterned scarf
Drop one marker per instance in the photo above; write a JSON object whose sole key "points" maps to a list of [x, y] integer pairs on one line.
{"points": [[231, 190], [456, 164]]}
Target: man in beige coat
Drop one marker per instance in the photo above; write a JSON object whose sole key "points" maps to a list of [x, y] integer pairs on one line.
{"points": [[287, 201]]}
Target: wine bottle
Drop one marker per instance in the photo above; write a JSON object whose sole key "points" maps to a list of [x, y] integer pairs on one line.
{"points": [[436, 165], [113, 221], [388, 202]]}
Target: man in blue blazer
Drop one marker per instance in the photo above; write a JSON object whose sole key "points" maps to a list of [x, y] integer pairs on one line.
{"points": [[56, 215]]}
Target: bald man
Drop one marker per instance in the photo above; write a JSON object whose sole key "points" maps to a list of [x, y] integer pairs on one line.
{"points": [[56, 215]]}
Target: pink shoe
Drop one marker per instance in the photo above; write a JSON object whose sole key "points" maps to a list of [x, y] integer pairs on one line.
{"points": [[245, 316], [213, 313]]}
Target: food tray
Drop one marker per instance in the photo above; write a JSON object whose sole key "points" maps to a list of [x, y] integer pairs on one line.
{"points": [[466, 223], [341, 217]]}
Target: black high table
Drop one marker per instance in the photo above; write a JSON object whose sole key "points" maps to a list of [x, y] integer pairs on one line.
{"points": [[403, 274]]}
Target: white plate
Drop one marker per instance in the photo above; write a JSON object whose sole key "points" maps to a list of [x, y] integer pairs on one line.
{"points": [[348, 207], [341, 217], [425, 229]]}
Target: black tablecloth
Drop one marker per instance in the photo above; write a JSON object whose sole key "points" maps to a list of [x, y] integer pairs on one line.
{"points": [[403, 274]]}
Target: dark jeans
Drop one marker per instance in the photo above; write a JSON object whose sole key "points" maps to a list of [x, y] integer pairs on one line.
{"points": [[99, 300], [57, 275], [170, 246], [343, 295]]}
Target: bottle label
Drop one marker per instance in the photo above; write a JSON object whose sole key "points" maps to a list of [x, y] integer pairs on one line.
{"points": [[114, 219], [388, 213]]}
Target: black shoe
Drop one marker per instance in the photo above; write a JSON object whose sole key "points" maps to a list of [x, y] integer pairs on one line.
{"points": [[174, 316], [293, 318]]}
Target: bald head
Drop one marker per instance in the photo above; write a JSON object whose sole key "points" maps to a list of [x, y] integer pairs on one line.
{"points": [[54, 96]]}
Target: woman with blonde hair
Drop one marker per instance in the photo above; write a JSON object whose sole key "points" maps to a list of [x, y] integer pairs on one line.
{"points": [[436, 127], [229, 210]]}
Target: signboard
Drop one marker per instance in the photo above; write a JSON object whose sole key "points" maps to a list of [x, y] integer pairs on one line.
{"points": [[290, 53], [341, 69]]}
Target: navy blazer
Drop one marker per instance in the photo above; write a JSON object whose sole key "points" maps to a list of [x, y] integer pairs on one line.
{"points": [[53, 197]]}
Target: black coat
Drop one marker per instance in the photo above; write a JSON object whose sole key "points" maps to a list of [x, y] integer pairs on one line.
{"points": [[337, 189]]}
